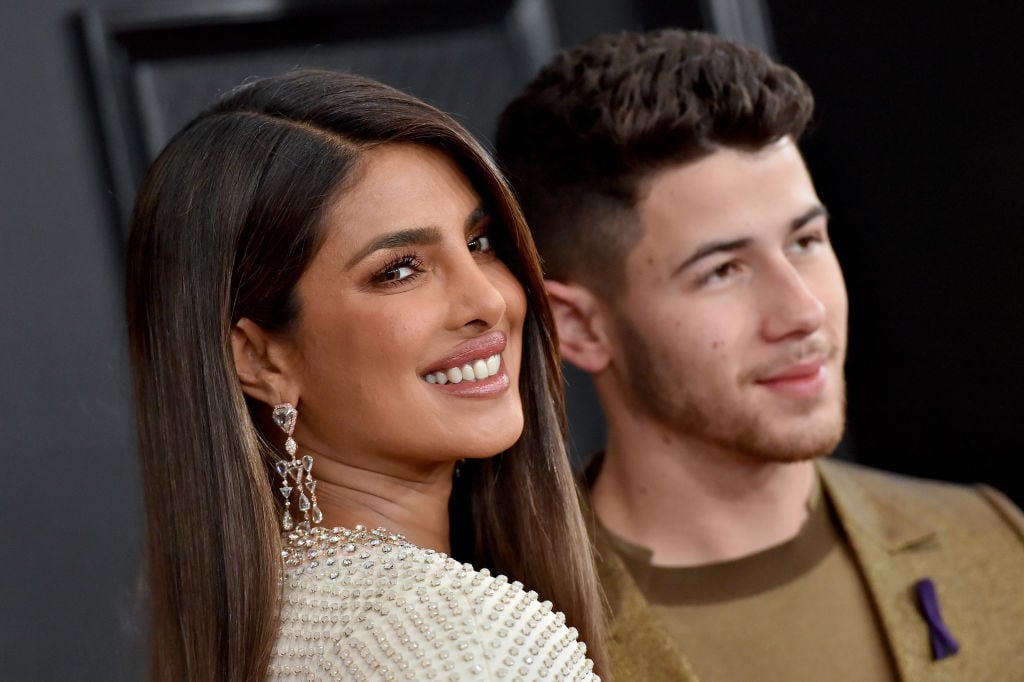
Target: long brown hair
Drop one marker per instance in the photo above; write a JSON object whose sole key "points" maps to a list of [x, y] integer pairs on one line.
{"points": [[227, 219]]}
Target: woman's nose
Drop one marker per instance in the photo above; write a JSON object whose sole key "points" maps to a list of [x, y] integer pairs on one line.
{"points": [[476, 299]]}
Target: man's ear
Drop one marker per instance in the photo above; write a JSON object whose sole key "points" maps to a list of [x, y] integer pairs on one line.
{"points": [[579, 315], [264, 364]]}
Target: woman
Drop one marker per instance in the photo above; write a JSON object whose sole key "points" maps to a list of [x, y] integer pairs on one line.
{"points": [[336, 323]]}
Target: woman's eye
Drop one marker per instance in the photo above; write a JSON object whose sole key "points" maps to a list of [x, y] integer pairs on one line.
{"points": [[481, 244], [396, 274], [398, 271]]}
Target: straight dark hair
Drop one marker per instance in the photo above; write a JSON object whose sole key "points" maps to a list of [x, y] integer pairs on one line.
{"points": [[227, 220]]}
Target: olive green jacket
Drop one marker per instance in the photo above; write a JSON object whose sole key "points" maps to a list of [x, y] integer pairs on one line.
{"points": [[968, 539]]}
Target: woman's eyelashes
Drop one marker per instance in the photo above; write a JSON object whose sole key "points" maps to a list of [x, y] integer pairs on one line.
{"points": [[406, 267], [400, 269]]}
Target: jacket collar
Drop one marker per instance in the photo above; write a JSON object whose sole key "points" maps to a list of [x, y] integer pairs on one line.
{"points": [[868, 514]]}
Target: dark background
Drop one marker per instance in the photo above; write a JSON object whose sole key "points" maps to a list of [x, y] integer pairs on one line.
{"points": [[916, 151]]}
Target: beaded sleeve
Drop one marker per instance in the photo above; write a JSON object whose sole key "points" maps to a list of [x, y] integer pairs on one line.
{"points": [[367, 605]]}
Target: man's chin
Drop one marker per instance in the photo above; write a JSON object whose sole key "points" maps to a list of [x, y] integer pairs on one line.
{"points": [[793, 445]]}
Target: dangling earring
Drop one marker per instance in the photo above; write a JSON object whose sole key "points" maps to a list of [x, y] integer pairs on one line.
{"points": [[285, 416]]}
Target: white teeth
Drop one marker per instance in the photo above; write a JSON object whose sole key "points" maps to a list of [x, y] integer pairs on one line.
{"points": [[477, 371]]}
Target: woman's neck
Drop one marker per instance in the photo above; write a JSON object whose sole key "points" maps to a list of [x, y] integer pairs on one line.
{"points": [[410, 500]]}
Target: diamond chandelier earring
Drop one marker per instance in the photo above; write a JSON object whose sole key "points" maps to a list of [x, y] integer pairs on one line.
{"points": [[296, 474]]}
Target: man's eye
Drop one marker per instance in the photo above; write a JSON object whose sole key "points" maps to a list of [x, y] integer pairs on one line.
{"points": [[807, 243], [720, 273]]}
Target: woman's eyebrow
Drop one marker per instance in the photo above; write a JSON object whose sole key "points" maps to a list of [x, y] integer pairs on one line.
{"points": [[479, 215], [412, 236]]}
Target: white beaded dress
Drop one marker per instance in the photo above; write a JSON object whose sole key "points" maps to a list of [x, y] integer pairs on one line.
{"points": [[367, 605]]}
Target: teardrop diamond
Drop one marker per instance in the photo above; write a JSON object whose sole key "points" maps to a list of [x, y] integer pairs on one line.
{"points": [[282, 469], [284, 416], [303, 502], [286, 520], [307, 462], [317, 514]]}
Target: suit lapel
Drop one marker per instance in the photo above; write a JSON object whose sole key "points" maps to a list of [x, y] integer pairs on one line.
{"points": [[639, 647], [637, 641], [894, 551]]}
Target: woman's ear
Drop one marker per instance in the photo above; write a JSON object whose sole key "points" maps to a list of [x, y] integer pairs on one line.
{"points": [[264, 364], [580, 319]]}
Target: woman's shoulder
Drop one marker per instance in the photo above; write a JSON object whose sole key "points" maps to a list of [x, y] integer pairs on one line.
{"points": [[367, 604]]}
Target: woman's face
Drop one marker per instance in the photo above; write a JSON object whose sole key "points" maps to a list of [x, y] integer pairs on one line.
{"points": [[405, 290]]}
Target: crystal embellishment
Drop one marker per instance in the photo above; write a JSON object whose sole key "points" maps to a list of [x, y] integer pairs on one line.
{"points": [[285, 416], [300, 470], [387, 609]]}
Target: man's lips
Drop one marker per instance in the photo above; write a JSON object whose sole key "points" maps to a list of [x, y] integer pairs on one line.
{"points": [[802, 380]]}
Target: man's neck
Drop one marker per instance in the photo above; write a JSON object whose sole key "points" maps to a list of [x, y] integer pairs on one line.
{"points": [[694, 503]]}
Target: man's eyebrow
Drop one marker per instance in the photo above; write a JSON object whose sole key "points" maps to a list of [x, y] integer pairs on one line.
{"points": [[711, 248], [817, 211], [391, 240]]}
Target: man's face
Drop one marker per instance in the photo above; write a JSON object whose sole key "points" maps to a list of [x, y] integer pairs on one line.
{"points": [[732, 329]]}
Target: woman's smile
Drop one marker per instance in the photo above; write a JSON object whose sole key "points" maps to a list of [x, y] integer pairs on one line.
{"points": [[405, 307]]}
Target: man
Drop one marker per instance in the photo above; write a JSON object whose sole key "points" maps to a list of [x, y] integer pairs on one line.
{"points": [[690, 269]]}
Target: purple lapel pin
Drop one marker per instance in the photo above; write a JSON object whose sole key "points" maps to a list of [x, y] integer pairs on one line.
{"points": [[943, 643]]}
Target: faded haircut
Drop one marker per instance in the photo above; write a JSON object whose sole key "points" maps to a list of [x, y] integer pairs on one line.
{"points": [[580, 140]]}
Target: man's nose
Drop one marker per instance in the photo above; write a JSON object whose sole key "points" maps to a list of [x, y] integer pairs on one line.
{"points": [[789, 304]]}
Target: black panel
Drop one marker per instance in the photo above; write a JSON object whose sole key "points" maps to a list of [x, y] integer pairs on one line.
{"points": [[153, 69], [917, 151]]}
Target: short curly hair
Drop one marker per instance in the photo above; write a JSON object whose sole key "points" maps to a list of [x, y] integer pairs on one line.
{"points": [[583, 135]]}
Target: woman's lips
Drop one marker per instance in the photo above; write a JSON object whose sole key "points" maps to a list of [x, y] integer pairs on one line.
{"points": [[486, 388], [469, 352], [474, 369]]}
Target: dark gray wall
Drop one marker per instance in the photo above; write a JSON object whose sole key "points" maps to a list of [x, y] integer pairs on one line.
{"points": [[71, 503]]}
